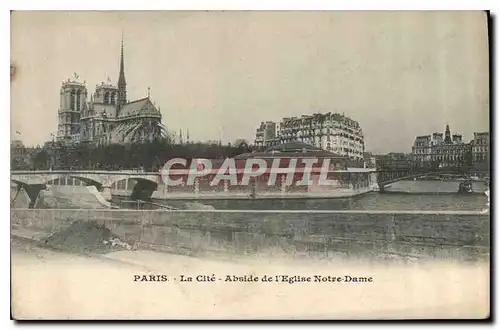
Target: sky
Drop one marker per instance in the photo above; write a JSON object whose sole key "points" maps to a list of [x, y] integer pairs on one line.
{"points": [[219, 74]]}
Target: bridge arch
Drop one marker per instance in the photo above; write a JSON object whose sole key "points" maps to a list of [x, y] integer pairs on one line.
{"points": [[396, 176], [140, 187], [386, 177], [88, 181], [102, 180], [33, 190]]}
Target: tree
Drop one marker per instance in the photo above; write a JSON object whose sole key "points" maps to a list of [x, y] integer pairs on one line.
{"points": [[241, 143], [41, 159]]}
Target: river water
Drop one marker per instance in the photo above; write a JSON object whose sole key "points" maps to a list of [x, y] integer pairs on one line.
{"points": [[402, 195]]}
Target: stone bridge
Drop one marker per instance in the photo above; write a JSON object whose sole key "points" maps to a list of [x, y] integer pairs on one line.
{"points": [[387, 176], [35, 181], [94, 178]]}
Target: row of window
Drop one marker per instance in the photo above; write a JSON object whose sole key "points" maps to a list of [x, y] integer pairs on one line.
{"points": [[299, 132], [479, 157], [338, 137], [75, 99], [110, 98], [352, 125]]}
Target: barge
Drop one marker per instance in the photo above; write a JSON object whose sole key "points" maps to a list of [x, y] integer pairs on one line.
{"points": [[291, 170]]}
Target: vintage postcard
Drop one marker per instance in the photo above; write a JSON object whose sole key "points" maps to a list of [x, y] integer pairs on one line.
{"points": [[249, 165]]}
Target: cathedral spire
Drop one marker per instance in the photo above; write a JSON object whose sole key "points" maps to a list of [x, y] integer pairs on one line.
{"points": [[122, 84]]}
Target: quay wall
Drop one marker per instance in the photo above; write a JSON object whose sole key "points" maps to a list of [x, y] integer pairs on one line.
{"points": [[163, 194], [318, 234]]}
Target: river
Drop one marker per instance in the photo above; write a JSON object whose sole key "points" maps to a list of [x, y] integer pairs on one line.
{"points": [[401, 195]]}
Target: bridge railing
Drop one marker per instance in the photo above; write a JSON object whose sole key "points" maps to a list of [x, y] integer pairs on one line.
{"points": [[82, 172]]}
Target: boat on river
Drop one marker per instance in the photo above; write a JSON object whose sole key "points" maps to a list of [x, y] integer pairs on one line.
{"points": [[465, 187]]}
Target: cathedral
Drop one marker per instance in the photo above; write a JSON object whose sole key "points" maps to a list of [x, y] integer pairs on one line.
{"points": [[108, 117]]}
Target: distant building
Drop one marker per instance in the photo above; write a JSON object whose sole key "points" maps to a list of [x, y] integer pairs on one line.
{"points": [[394, 161], [22, 156], [422, 148], [16, 144], [17, 149], [399, 156], [332, 132], [109, 117], [481, 147], [449, 151], [265, 134], [370, 160], [182, 138]]}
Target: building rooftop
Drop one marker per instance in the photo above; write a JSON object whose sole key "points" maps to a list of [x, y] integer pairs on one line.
{"points": [[17, 144], [139, 107], [293, 146], [295, 149]]}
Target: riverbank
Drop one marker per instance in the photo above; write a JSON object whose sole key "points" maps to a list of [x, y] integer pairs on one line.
{"points": [[369, 201], [60, 196], [314, 234]]}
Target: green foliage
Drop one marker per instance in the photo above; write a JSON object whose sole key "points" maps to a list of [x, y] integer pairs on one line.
{"points": [[149, 156]]}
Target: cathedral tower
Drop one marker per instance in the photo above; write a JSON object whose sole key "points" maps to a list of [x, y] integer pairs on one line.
{"points": [[447, 135], [73, 98], [122, 84]]}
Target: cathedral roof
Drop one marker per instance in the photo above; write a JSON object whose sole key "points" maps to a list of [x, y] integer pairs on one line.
{"points": [[142, 107]]}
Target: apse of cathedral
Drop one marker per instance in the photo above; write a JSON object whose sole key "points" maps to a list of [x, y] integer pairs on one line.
{"points": [[108, 117]]}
